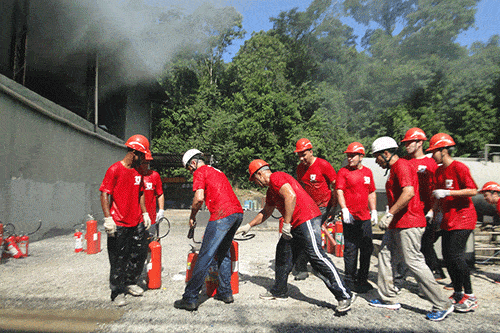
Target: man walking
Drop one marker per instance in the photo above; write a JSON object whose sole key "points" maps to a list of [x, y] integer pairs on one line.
{"points": [[127, 236], [405, 223], [357, 199], [301, 232], [317, 176], [211, 186], [426, 168]]}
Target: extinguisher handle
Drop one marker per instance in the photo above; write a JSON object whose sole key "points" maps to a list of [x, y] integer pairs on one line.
{"points": [[191, 231]]}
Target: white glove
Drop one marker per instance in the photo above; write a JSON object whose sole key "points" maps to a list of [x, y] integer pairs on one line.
{"points": [[109, 226], [286, 231], [243, 229], [385, 221], [429, 216], [147, 220], [160, 214], [346, 216], [440, 194], [374, 217]]}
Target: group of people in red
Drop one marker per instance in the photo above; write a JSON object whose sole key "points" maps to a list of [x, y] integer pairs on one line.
{"points": [[425, 196]]}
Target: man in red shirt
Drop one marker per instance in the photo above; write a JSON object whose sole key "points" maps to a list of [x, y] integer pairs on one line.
{"points": [[405, 223], [317, 176], [491, 193], [301, 232], [454, 189], [211, 186], [124, 211], [357, 199], [153, 193], [426, 167]]}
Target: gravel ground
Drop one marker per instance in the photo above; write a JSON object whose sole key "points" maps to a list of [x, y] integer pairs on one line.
{"points": [[57, 290]]}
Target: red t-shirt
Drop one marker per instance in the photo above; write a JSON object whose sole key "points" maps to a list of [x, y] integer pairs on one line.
{"points": [[152, 189], [426, 168], [356, 184], [305, 207], [458, 212], [498, 207], [124, 186], [316, 180], [403, 173], [219, 195]]}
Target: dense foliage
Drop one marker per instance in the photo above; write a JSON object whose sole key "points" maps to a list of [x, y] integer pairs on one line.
{"points": [[306, 77]]}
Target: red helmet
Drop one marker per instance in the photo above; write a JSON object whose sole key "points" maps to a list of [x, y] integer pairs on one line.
{"points": [[490, 186], [303, 144], [355, 148], [149, 156], [414, 134], [440, 140], [254, 166], [138, 142]]}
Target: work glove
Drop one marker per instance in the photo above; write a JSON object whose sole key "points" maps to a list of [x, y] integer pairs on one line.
{"points": [[385, 221], [346, 216], [109, 226], [374, 217], [243, 229], [147, 220], [286, 231], [429, 216], [161, 213], [440, 194]]}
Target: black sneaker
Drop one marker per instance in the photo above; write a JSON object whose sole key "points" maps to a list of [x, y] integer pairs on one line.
{"points": [[269, 296], [185, 305], [363, 288], [227, 299], [301, 276], [345, 304]]}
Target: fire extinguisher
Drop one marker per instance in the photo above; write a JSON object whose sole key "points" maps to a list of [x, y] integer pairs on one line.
{"points": [[339, 238], [93, 237], [212, 279], [13, 249], [78, 241], [22, 243], [154, 265]]}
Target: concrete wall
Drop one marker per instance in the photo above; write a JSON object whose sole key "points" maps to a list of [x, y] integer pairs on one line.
{"points": [[52, 163]]}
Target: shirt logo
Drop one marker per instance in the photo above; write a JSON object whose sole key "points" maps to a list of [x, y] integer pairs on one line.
{"points": [[149, 186], [137, 180], [422, 168], [312, 177], [367, 180], [448, 183]]}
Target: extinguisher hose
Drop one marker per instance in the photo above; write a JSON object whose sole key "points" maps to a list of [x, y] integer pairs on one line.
{"points": [[165, 225], [244, 237], [8, 232], [39, 226]]}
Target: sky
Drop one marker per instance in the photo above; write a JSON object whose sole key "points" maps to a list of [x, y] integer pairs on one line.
{"points": [[256, 14]]}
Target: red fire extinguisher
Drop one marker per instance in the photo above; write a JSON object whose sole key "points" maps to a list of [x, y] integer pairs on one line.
{"points": [[23, 243], [191, 261], [339, 238], [78, 241], [212, 279], [154, 265], [93, 237], [13, 249]]}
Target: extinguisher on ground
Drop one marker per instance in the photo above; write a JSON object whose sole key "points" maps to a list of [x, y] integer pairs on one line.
{"points": [[154, 265], [212, 279], [12, 248], [78, 236], [93, 237], [23, 243]]}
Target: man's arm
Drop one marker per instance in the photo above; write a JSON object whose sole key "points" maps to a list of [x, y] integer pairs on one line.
{"points": [[372, 201], [161, 201], [262, 215], [199, 197], [105, 204], [290, 198], [403, 200]]}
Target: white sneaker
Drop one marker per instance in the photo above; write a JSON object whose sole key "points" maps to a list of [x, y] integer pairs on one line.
{"points": [[134, 290], [120, 300]]}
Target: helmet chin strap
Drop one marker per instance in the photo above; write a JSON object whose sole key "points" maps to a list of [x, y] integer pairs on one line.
{"points": [[387, 163]]}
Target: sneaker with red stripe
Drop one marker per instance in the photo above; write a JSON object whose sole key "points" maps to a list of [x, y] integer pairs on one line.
{"points": [[466, 304]]}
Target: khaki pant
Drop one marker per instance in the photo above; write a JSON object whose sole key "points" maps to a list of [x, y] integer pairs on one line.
{"points": [[404, 245]]}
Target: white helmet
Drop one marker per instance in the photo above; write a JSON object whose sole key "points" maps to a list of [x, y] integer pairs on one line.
{"points": [[383, 143], [189, 155]]}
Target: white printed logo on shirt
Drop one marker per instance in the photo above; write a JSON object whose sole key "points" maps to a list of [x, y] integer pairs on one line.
{"points": [[149, 186], [367, 180], [137, 180], [422, 168], [312, 177], [449, 183]]}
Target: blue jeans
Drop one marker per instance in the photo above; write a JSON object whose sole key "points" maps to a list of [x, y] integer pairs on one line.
{"points": [[216, 241], [307, 237]]}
